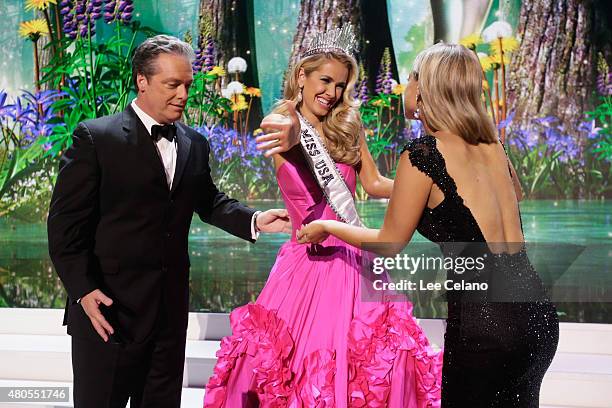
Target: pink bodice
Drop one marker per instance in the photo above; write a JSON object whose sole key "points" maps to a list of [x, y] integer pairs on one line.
{"points": [[303, 197]]}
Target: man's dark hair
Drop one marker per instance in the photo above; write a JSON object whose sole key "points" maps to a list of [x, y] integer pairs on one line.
{"points": [[143, 61]]}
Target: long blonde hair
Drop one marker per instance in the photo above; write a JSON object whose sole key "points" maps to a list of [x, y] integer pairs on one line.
{"points": [[450, 84], [342, 126]]}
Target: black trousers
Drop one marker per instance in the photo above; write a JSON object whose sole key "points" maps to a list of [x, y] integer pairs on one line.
{"points": [[150, 373]]}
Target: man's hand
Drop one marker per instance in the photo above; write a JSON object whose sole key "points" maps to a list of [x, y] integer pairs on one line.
{"points": [[276, 220], [91, 305], [281, 132]]}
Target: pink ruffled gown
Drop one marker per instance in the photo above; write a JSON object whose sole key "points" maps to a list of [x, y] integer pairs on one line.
{"points": [[310, 340]]}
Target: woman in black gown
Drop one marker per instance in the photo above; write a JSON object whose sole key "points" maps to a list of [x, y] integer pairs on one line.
{"points": [[458, 189]]}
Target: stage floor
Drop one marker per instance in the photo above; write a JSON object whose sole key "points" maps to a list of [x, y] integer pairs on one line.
{"points": [[35, 351]]}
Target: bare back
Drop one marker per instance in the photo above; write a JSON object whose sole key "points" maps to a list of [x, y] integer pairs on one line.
{"points": [[483, 181]]}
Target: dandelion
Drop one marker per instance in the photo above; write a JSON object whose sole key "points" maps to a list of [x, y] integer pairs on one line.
{"points": [[227, 94], [399, 89], [471, 41], [236, 66], [253, 92], [495, 60], [217, 70], [235, 88], [38, 4], [486, 62], [499, 37], [33, 29], [498, 29], [381, 103], [506, 44]]}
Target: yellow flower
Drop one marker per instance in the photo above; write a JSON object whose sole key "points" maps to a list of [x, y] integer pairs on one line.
{"points": [[508, 44], [471, 41], [485, 85], [398, 89], [38, 4], [485, 61], [218, 71], [239, 103], [33, 29], [258, 131], [253, 92], [380, 102], [496, 60]]}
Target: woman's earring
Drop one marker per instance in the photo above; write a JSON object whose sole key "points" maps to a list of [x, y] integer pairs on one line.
{"points": [[417, 112], [299, 97]]}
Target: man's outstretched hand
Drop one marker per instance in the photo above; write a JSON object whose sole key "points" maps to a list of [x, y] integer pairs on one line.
{"points": [[91, 305], [275, 220], [281, 132]]}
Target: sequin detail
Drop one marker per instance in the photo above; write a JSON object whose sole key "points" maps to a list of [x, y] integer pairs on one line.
{"points": [[497, 346]]}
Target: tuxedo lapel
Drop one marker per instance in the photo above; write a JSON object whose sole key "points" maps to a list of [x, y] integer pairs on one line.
{"points": [[182, 155], [137, 135]]}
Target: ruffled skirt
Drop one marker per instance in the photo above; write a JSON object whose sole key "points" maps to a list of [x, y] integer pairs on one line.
{"points": [[312, 340]]}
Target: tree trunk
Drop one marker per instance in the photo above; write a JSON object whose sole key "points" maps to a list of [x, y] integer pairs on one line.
{"points": [[323, 15], [229, 23], [553, 72]]}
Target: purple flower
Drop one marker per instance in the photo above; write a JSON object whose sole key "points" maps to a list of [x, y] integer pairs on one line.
{"points": [[506, 122], [604, 76], [604, 83], [229, 146], [120, 11], [385, 77], [589, 129], [3, 96], [125, 17], [362, 90], [554, 138], [205, 56], [69, 19], [31, 115], [79, 17]]}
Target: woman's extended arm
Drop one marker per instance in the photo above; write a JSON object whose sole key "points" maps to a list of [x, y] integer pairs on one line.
{"points": [[408, 199]]}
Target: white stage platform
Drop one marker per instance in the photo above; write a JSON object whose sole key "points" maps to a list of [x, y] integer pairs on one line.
{"points": [[35, 351]]}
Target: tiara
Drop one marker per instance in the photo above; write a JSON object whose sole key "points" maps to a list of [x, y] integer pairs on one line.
{"points": [[341, 40]]}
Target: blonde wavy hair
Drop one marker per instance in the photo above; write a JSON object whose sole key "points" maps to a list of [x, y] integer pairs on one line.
{"points": [[450, 83], [342, 126]]}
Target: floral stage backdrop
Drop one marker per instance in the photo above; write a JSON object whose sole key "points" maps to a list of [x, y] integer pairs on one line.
{"points": [[546, 79]]}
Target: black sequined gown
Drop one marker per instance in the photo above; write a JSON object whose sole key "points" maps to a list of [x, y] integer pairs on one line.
{"points": [[498, 343]]}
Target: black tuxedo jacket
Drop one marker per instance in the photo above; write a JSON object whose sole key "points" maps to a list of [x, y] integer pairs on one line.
{"points": [[115, 225]]}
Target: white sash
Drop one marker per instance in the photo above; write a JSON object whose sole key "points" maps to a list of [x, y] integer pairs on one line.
{"points": [[329, 178]]}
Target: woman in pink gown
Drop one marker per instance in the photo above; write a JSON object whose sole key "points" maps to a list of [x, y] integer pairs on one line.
{"points": [[311, 339]]}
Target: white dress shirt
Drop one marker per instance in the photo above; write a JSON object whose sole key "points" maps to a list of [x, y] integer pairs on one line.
{"points": [[165, 148], [167, 152]]}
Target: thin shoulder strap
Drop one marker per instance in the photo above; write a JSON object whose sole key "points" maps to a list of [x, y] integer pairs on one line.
{"points": [[426, 157]]}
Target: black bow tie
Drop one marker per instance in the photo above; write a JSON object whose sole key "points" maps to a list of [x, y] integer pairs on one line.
{"points": [[165, 131]]}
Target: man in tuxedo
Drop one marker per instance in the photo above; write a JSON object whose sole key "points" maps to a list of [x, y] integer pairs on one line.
{"points": [[118, 226]]}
